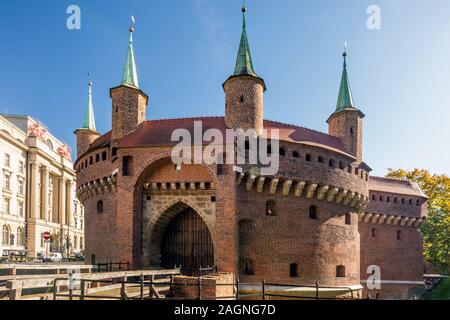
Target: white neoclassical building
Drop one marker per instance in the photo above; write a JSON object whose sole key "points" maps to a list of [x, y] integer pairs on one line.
{"points": [[37, 193]]}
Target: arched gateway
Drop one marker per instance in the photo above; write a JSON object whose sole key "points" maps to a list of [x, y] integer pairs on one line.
{"points": [[187, 242]]}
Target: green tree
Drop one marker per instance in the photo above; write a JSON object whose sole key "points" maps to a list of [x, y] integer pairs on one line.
{"points": [[436, 231]]}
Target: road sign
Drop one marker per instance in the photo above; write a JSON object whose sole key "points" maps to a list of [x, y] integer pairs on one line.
{"points": [[46, 235]]}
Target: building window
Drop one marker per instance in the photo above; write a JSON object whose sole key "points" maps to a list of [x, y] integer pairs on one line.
{"points": [[295, 154], [5, 235], [349, 169], [100, 207], [7, 181], [374, 198], [20, 209], [7, 160], [114, 152], [270, 208], [381, 198], [348, 219], [127, 166], [399, 235], [410, 202], [403, 201], [340, 271], [293, 270], [6, 206], [374, 233], [97, 158], [241, 99], [331, 163], [21, 167], [418, 203], [282, 152], [12, 240], [308, 157], [21, 187], [388, 199], [320, 159], [20, 237], [247, 267], [313, 215], [91, 161], [395, 200], [104, 155], [341, 165]]}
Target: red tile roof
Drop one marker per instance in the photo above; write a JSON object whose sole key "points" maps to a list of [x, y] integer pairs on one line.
{"points": [[395, 186], [158, 133]]}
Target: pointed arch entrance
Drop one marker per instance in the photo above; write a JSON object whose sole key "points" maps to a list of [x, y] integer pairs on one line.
{"points": [[187, 242]]}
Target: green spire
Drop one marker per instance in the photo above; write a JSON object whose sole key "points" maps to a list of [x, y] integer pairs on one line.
{"points": [[130, 77], [244, 64], [89, 120], [345, 100]]}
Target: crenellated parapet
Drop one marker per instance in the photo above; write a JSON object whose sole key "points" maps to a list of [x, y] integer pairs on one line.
{"points": [[97, 187], [290, 187], [391, 219]]}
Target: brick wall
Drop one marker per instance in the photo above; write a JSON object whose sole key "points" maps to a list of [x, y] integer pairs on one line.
{"points": [[244, 103]]}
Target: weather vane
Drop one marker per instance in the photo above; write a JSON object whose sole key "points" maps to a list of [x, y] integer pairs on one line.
{"points": [[244, 8], [89, 78], [133, 22]]}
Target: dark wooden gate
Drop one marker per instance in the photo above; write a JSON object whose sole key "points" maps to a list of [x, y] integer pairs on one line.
{"points": [[187, 242]]}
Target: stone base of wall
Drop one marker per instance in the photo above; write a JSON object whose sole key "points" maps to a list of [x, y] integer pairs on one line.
{"points": [[219, 286], [396, 292]]}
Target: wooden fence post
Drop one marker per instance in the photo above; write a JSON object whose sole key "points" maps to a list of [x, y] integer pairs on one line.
{"points": [[142, 287], [264, 290], [317, 291], [82, 284]]}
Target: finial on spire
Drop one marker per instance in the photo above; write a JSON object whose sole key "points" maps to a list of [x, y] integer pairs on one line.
{"points": [[89, 119], [345, 54], [130, 77], [244, 64], [133, 22]]}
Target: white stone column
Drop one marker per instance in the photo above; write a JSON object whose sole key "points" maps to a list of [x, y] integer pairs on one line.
{"points": [[44, 193], [69, 203], [62, 200], [34, 191]]}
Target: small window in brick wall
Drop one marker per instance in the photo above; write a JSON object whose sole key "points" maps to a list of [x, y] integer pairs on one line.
{"points": [[100, 207], [320, 159], [295, 154], [127, 166], [331, 163], [270, 208], [348, 219], [313, 215], [97, 158], [340, 271], [247, 267], [293, 270], [374, 233], [399, 235], [308, 157], [104, 155], [241, 99], [282, 152]]}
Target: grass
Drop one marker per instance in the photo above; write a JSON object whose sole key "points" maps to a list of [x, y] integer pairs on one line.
{"points": [[440, 292]]}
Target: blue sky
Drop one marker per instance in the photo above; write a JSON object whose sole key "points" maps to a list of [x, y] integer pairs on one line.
{"points": [[185, 49]]}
